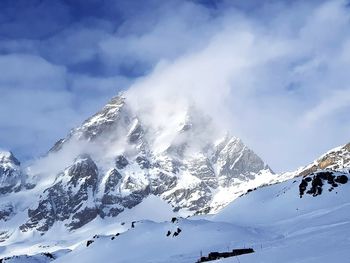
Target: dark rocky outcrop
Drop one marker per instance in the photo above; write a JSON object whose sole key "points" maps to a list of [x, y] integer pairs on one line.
{"points": [[162, 183], [318, 181], [177, 232], [67, 197], [89, 242], [202, 189], [6, 212], [113, 181], [143, 162], [121, 162]]}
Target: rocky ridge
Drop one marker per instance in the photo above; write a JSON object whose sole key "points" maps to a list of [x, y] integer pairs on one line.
{"points": [[120, 158]]}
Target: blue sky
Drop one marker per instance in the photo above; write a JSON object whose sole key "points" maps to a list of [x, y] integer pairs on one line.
{"points": [[60, 61]]}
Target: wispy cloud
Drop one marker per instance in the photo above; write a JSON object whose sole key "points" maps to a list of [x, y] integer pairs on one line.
{"points": [[337, 101], [274, 73]]}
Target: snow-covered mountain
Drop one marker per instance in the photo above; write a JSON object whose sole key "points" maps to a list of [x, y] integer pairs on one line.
{"points": [[276, 221], [122, 180], [122, 155]]}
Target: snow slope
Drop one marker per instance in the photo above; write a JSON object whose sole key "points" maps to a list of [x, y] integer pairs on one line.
{"points": [[309, 229], [148, 242], [274, 220]]}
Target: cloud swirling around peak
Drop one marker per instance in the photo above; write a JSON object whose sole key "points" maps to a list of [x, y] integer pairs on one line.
{"points": [[274, 73]]}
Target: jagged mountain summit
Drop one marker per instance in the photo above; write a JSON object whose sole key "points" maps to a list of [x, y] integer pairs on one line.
{"points": [[12, 178], [121, 155], [10, 173]]}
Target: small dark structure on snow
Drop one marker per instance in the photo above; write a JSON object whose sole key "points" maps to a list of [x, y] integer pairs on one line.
{"points": [[177, 232], [218, 255], [49, 255], [89, 242]]}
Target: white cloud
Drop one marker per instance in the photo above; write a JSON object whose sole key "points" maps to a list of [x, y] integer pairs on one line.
{"points": [[275, 75], [29, 71], [338, 101], [269, 87]]}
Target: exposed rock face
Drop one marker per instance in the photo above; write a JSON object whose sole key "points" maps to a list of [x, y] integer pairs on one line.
{"points": [[121, 162], [72, 196], [336, 159], [236, 161], [113, 116], [6, 211]]}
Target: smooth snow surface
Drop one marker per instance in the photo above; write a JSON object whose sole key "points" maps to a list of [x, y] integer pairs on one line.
{"points": [[308, 229], [152, 208], [273, 220]]}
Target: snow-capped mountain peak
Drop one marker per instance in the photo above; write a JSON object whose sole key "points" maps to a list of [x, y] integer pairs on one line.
{"points": [[12, 177], [7, 159], [123, 154], [120, 163]]}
